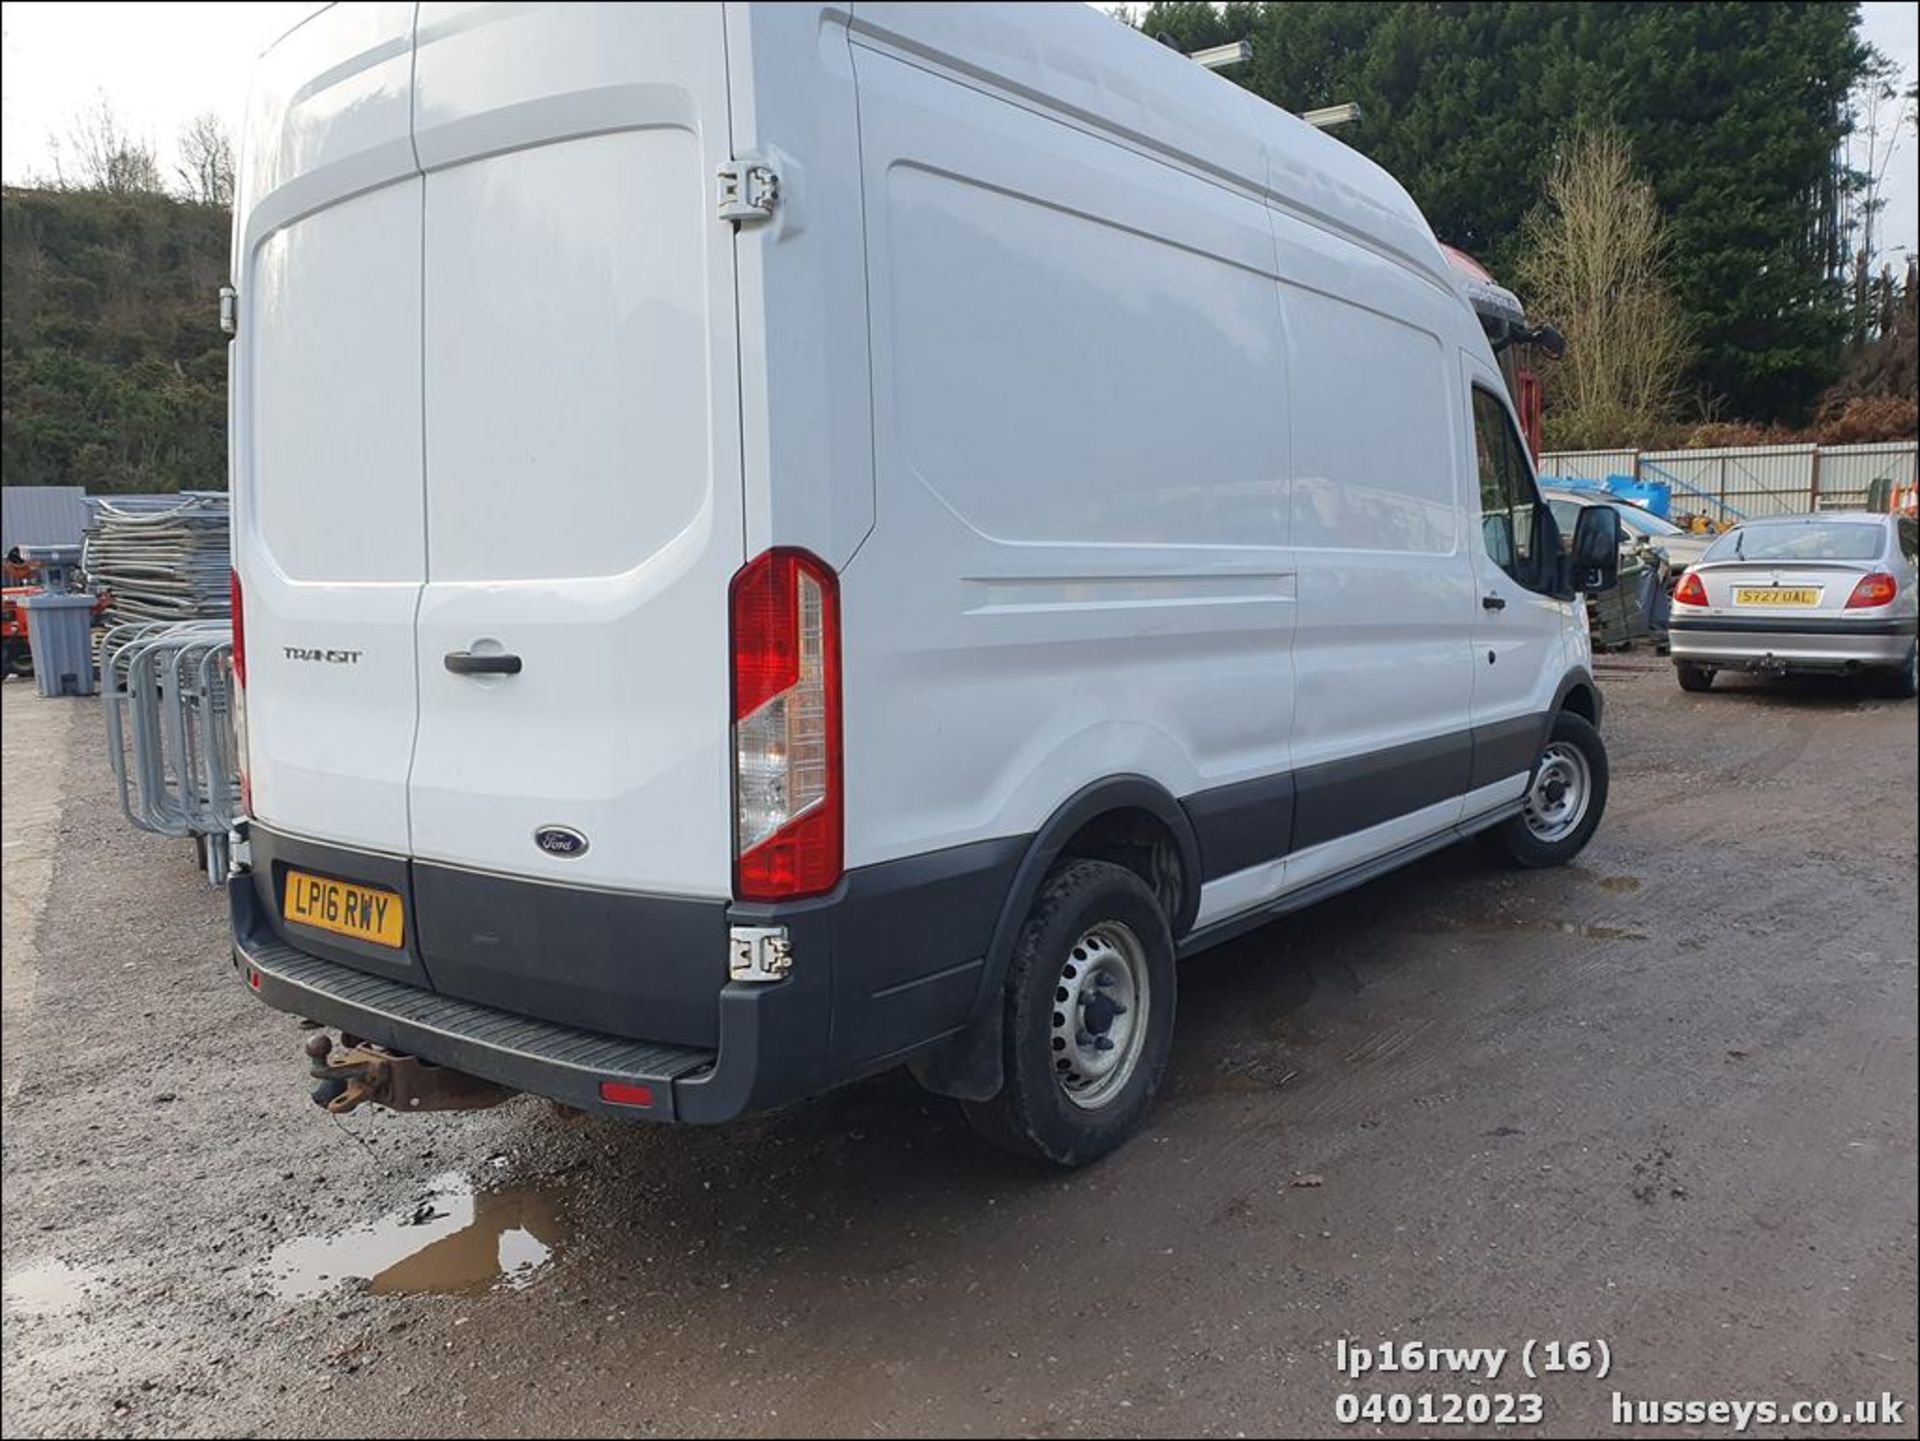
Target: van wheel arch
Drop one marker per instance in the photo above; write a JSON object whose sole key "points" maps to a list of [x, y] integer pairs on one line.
{"points": [[1577, 693], [1131, 821]]}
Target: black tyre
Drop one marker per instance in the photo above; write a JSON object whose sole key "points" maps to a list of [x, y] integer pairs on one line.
{"points": [[1089, 1018], [1693, 677], [1904, 683], [1565, 799], [19, 660]]}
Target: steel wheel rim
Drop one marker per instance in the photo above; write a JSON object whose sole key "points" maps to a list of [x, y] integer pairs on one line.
{"points": [[1101, 1001], [1562, 790]]}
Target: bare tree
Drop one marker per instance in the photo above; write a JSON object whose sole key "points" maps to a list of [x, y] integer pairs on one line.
{"points": [[104, 155], [1594, 263], [206, 161]]}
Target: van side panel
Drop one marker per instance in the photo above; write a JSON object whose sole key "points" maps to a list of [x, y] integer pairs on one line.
{"points": [[1080, 565]]}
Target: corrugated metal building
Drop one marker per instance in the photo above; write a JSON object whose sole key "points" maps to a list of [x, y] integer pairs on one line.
{"points": [[1756, 480], [41, 515]]}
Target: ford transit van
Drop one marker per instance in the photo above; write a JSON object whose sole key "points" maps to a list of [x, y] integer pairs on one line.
{"points": [[778, 541]]}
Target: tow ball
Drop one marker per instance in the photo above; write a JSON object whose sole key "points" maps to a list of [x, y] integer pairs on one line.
{"points": [[360, 1071]]}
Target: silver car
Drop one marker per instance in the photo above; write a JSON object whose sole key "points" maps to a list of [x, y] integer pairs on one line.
{"points": [[1834, 593], [1644, 531]]}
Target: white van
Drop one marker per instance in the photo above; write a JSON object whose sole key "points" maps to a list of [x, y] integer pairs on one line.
{"points": [[776, 541]]}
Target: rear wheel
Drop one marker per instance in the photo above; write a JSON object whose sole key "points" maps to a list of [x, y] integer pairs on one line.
{"points": [[1904, 683], [1088, 1018], [1564, 801], [18, 659], [1693, 677]]}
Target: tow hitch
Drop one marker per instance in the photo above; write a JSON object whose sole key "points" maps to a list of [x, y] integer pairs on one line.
{"points": [[361, 1071]]}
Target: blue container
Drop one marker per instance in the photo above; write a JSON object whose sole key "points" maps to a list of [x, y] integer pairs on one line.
{"points": [[1653, 495]]}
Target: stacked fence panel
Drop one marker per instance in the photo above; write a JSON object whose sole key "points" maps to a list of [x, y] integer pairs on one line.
{"points": [[160, 558]]}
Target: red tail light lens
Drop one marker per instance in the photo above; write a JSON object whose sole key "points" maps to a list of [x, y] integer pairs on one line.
{"points": [[1690, 591], [239, 627], [621, 1093], [1876, 589], [787, 789]]}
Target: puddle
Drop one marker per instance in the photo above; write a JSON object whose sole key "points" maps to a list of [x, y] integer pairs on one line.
{"points": [[1613, 933], [1568, 928], [1556, 928], [455, 1240], [1620, 885], [51, 1288]]}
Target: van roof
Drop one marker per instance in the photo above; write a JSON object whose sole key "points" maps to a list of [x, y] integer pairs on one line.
{"points": [[1096, 71], [1101, 73]]}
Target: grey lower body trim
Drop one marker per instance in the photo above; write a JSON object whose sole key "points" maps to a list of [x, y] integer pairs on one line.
{"points": [[1329, 886], [1252, 822]]}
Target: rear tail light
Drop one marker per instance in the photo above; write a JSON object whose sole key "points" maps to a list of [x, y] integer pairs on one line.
{"points": [[239, 700], [1878, 588], [624, 1093], [787, 791], [1690, 591]]}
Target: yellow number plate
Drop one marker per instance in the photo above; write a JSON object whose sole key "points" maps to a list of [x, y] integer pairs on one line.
{"points": [[358, 911], [1773, 595]]}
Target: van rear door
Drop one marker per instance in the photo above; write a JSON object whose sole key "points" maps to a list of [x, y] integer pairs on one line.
{"points": [[582, 441], [326, 446]]}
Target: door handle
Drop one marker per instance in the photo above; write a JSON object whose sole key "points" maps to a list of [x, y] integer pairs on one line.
{"points": [[1487, 602], [465, 662]]}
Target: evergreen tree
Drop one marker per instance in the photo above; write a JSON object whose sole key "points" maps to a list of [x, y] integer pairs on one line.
{"points": [[1735, 113]]}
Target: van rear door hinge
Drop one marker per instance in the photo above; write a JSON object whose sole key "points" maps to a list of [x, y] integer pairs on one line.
{"points": [[748, 191]]}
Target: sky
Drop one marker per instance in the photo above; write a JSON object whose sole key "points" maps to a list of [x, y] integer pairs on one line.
{"points": [[162, 64]]}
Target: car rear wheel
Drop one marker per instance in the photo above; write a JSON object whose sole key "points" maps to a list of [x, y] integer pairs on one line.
{"points": [[1693, 677], [1904, 683], [1564, 800], [1088, 1018]]}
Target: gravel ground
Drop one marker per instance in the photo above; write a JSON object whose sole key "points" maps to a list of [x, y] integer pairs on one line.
{"points": [[1663, 1098]]}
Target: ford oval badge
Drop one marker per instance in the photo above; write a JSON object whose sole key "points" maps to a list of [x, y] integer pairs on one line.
{"points": [[562, 841]]}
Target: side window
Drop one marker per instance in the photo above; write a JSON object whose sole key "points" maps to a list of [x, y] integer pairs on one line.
{"points": [[1510, 521], [1910, 540]]}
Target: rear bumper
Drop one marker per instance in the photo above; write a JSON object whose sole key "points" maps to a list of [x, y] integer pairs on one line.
{"points": [[518, 1052], [890, 962], [1739, 643]]}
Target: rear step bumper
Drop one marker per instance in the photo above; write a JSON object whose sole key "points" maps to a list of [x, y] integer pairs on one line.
{"points": [[515, 1051]]}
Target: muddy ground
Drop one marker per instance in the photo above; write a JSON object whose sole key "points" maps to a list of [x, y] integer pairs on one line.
{"points": [[1664, 1098]]}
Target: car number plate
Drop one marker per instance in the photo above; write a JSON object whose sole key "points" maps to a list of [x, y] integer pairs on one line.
{"points": [[362, 912], [1774, 595]]}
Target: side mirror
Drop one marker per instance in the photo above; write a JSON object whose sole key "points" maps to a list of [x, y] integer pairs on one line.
{"points": [[1593, 563], [1550, 341]]}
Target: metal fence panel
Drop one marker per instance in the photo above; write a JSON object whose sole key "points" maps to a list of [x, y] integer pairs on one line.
{"points": [[1742, 482], [1588, 464], [1848, 472]]}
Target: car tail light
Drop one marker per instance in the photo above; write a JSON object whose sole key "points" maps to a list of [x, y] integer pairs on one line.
{"points": [[1878, 588], [787, 792], [239, 703], [1690, 591]]}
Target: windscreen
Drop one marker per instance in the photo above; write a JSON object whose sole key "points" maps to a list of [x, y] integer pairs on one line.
{"points": [[1801, 540], [1645, 522]]}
